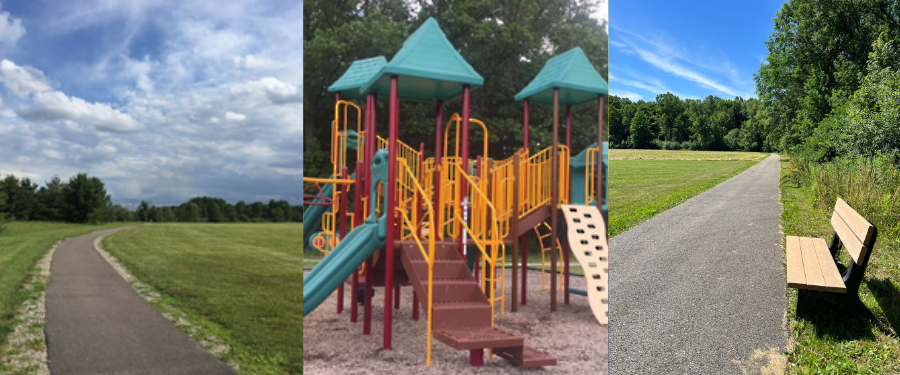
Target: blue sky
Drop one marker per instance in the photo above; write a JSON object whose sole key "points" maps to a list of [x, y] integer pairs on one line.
{"points": [[689, 48], [163, 100]]}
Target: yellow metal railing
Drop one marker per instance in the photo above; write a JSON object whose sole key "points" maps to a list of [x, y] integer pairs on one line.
{"points": [[536, 181], [456, 120], [339, 127], [545, 263], [404, 152], [414, 216], [484, 231]]}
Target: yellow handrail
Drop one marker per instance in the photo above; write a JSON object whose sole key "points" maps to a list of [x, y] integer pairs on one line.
{"points": [[456, 120], [590, 180], [411, 191], [485, 233]]}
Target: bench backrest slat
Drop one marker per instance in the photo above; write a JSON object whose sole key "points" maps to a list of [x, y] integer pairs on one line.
{"points": [[854, 231], [858, 224]]}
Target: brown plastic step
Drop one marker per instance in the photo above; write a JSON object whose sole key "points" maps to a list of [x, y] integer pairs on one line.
{"points": [[443, 269], [457, 290], [466, 338], [524, 356], [461, 314], [442, 250]]}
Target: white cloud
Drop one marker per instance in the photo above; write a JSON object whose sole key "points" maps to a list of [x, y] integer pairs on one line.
{"points": [[55, 105], [11, 28], [234, 117], [277, 91], [22, 80], [251, 62], [628, 94]]}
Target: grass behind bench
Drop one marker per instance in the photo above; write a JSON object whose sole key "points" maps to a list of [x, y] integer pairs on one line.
{"points": [[242, 282], [831, 339]]}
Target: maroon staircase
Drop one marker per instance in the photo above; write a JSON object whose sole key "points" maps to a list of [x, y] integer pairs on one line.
{"points": [[461, 312]]}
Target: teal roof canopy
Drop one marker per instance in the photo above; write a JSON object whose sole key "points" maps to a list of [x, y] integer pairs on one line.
{"points": [[360, 72], [573, 74], [428, 67]]}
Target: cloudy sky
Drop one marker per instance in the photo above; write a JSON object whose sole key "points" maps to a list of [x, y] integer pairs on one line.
{"points": [[163, 100], [692, 49]]}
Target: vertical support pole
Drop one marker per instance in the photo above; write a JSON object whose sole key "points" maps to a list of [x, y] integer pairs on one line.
{"points": [[515, 229], [342, 216], [370, 263], [524, 239], [464, 156], [390, 209], [600, 194], [568, 194], [476, 357], [554, 199], [357, 220], [438, 151]]}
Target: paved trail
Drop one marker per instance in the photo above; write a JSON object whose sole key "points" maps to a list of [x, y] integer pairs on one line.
{"points": [[701, 284], [98, 324]]}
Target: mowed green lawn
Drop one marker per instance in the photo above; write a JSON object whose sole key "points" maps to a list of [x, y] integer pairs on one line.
{"points": [[21, 246], [644, 183], [242, 282]]}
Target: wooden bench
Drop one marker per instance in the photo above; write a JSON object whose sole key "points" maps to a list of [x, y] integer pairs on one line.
{"points": [[811, 265]]}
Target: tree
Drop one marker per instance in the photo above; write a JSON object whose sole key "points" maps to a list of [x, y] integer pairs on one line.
{"points": [[215, 214], [50, 201], [817, 54], [640, 130], [83, 195]]}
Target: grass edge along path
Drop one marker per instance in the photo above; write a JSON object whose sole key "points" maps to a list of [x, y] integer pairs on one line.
{"points": [[173, 298], [23, 244], [676, 177], [832, 340]]}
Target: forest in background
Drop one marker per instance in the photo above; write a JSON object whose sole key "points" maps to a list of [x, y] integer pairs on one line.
{"points": [[829, 90], [507, 42], [84, 199]]}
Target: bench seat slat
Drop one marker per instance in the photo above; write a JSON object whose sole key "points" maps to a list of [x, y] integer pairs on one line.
{"points": [[796, 277], [848, 239], [810, 266], [857, 224], [814, 277], [833, 280]]}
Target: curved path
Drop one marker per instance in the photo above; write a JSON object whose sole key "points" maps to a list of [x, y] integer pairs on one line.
{"points": [[96, 322], [701, 285]]}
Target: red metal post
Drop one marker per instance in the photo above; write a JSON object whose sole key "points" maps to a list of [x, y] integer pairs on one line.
{"points": [[601, 182], [390, 210], [438, 152], [476, 357], [464, 158], [525, 131]]}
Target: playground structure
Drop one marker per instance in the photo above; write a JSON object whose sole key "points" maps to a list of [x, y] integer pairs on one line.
{"points": [[442, 224]]}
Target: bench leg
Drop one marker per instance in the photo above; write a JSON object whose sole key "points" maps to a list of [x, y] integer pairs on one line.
{"points": [[803, 297]]}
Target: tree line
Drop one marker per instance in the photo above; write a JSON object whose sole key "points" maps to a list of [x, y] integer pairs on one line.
{"points": [[217, 210], [84, 199], [672, 123], [507, 45], [829, 89]]}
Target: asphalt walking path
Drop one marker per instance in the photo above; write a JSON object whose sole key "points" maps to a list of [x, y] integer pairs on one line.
{"points": [[701, 285], [97, 324]]}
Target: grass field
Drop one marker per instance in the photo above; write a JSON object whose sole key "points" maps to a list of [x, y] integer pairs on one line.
{"points": [[832, 340], [21, 246], [644, 183], [240, 282]]}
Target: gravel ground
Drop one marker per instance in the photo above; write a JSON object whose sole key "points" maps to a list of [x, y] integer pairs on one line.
{"points": [[25, 351], [333, 345]]}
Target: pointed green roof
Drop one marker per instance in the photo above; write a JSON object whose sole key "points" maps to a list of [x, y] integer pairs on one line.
{"points": [[573, 74], [360, 72], [428, 66]]}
